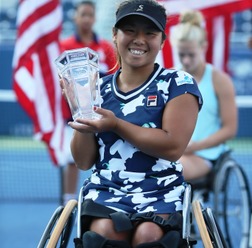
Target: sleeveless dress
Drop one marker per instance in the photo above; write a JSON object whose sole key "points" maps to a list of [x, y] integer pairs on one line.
{"points": [[124, 178]]}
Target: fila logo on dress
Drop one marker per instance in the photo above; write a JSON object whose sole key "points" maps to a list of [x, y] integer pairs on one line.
{"points": [[152, 101]]}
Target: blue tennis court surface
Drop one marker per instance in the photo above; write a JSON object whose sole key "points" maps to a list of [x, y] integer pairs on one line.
{"points": [[22, 224], [30, 189]]}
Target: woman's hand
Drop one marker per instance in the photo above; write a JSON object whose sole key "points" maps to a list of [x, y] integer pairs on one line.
{"points": [[107, 122]]}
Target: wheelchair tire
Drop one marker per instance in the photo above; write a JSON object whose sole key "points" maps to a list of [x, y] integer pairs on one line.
{"points": [[214, 230], [62, 231], [237, 206], [197, 211], [209, 229], [47, 232]]}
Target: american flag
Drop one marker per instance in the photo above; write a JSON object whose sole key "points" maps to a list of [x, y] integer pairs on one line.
{"points": [[35, 78], [218, 17]]}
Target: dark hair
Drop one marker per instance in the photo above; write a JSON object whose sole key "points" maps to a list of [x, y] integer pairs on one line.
{"points": [[92, 4]]}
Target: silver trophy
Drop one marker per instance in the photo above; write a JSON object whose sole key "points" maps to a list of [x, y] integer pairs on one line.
{"points": [[79, 69]]}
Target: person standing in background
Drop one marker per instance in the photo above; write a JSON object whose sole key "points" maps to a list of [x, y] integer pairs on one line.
{"points": [[84, 19], [217, 121]]}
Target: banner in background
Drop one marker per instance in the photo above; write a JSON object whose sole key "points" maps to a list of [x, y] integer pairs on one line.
{"points": [[36, 82], [218, 17]]}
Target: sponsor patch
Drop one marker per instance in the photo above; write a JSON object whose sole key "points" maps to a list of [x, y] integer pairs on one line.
{"points": [[152, 101], [183, 78]]}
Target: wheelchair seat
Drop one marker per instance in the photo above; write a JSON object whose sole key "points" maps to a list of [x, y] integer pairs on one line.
{"points": [[60, 226]]}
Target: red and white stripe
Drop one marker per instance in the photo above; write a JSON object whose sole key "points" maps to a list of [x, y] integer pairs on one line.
{"points": [[218, 18], [36, 81]]}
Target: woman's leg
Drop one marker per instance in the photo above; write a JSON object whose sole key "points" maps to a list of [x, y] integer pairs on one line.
{"points": [[105, 228], [142, 233], [194, 166]]}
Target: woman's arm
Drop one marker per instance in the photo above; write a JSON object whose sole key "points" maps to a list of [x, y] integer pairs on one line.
{"points": [[169, 143], [178, 123], [228, 113], [84, 148]]}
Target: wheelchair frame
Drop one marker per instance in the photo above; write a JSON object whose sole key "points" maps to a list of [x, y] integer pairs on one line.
{"points": [[59, 227], [210, 232], [226, 178], [58, 230]]}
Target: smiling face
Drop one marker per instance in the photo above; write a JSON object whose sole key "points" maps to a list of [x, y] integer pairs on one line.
{"points": [[138, 41]]}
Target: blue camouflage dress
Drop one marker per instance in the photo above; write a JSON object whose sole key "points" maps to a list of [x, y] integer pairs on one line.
{"points": [[126, 179]]}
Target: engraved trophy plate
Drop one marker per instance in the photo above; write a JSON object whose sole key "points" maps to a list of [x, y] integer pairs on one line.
{"points": [[79, 69]]}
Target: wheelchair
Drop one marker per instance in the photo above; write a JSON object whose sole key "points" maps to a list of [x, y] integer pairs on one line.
{"points": [[226, 186], [58, 230]]}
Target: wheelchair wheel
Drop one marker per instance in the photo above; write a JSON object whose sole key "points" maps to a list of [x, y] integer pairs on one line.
{"points": [[213, 229], [47, 233], [60, 229], [237, 206], [197, 210], [208, 227]]}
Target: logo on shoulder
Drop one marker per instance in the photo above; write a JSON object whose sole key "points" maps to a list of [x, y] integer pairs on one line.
{"points": [[183, 78]]}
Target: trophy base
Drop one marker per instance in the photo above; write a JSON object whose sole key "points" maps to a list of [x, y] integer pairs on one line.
{"points": [[87, 116]]}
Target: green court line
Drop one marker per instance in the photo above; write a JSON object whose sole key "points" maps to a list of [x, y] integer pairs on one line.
{"points": [[13, 142], [241, 144]]}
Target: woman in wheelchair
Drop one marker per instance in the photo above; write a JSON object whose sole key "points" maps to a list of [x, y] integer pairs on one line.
{"points": [[148, 113], [217, 120]]}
